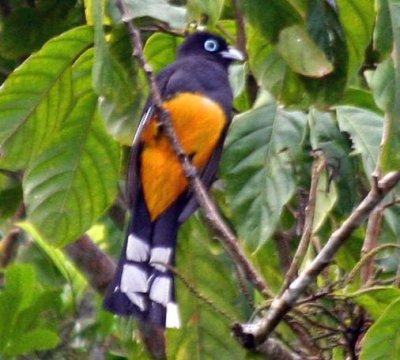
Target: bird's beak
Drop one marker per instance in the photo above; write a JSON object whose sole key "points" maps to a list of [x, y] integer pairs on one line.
{"points": [[233, 54]]}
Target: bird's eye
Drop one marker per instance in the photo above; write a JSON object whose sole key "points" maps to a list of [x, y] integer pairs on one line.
{"points": [[211, 45]]}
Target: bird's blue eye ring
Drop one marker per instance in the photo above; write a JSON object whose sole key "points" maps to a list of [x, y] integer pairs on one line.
{"points": [[211, 45]]}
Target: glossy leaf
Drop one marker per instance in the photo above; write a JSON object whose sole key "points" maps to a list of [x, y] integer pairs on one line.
{"points": [[301, 53], [75, 179], [122, 93], [161, 10], [280, 14], [325, 29], [382, 340], [211, 9], [390, 157], [257, 168], [383, 85], [325, 135], [37, 339], [37, 97], [326, 200], [160, 50], [204, 330], [22, 313], [376, 300], [357, 19], [365, 129], [271, 71], [382, 37]]}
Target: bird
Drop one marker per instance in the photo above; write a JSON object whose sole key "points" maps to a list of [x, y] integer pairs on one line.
{"points": [[196, 93]]}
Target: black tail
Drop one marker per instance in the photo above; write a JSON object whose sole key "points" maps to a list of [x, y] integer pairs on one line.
{"points": [[143, 286]]}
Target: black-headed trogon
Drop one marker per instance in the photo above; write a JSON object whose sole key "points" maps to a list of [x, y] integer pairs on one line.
{"points": [[196, 92]]}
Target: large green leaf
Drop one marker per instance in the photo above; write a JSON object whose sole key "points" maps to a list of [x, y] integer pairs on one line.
{"points": [[383, 84], [258, 168], [382, 340], [365, 128], [271, 71], [204, 330], [301, 53], [198, 9], [37, 339], [390, 158], [325, 135], [160, 50], [383, 37], [122, 92], [375, 300], [269, 17], [75, 179], [325, 29], [22, 307], [37, 97], [357, 19], [161, 10]]}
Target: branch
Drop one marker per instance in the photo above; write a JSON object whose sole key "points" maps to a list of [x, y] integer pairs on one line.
{"points": [[97, 266], [226, 236], [251, 335], [318, 166], [371, 241]]}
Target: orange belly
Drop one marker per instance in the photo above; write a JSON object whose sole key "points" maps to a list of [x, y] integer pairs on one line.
{"points": [[198, 123]]}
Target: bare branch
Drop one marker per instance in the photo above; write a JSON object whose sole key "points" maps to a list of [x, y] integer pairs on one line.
{"points": [[255, 333], [318, 167], [98, 267], [371, 241]]}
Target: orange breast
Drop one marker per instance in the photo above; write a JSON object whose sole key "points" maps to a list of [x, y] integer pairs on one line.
{"points": [[198, 123]]}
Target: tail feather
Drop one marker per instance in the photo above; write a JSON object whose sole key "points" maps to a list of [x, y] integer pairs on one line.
{"points": [[143, 286]]}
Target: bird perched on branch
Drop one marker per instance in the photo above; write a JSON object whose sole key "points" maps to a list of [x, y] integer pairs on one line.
{"points": [[196, 93]]}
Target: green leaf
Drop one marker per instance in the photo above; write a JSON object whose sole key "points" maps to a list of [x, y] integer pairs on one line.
{"points": [[37, 339], [383, 36], [383, 84], [37, 97], [212, 9], [122, 92], [325, 29], [376, 300], [269, 17], [390, 157], [325, 201], [60, 260], [17, 295], [160, 50], [197, 339], [271, 72], [258, 170], [325, 135], [301, 53], [357, 19], [382, 340], [75, 179], [365, 129], [174, 16]]}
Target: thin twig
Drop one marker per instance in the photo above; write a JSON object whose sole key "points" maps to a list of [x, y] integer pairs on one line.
{"points": [[253, 334], [370, 242], [366, 259], [318, 167], [226, 235]]}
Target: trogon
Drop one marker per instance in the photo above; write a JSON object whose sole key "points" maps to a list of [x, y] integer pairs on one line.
{"points": [[196, 93]]}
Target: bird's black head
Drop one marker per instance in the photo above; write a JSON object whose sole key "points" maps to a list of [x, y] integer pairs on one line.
{"points": [[211, 46]]}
